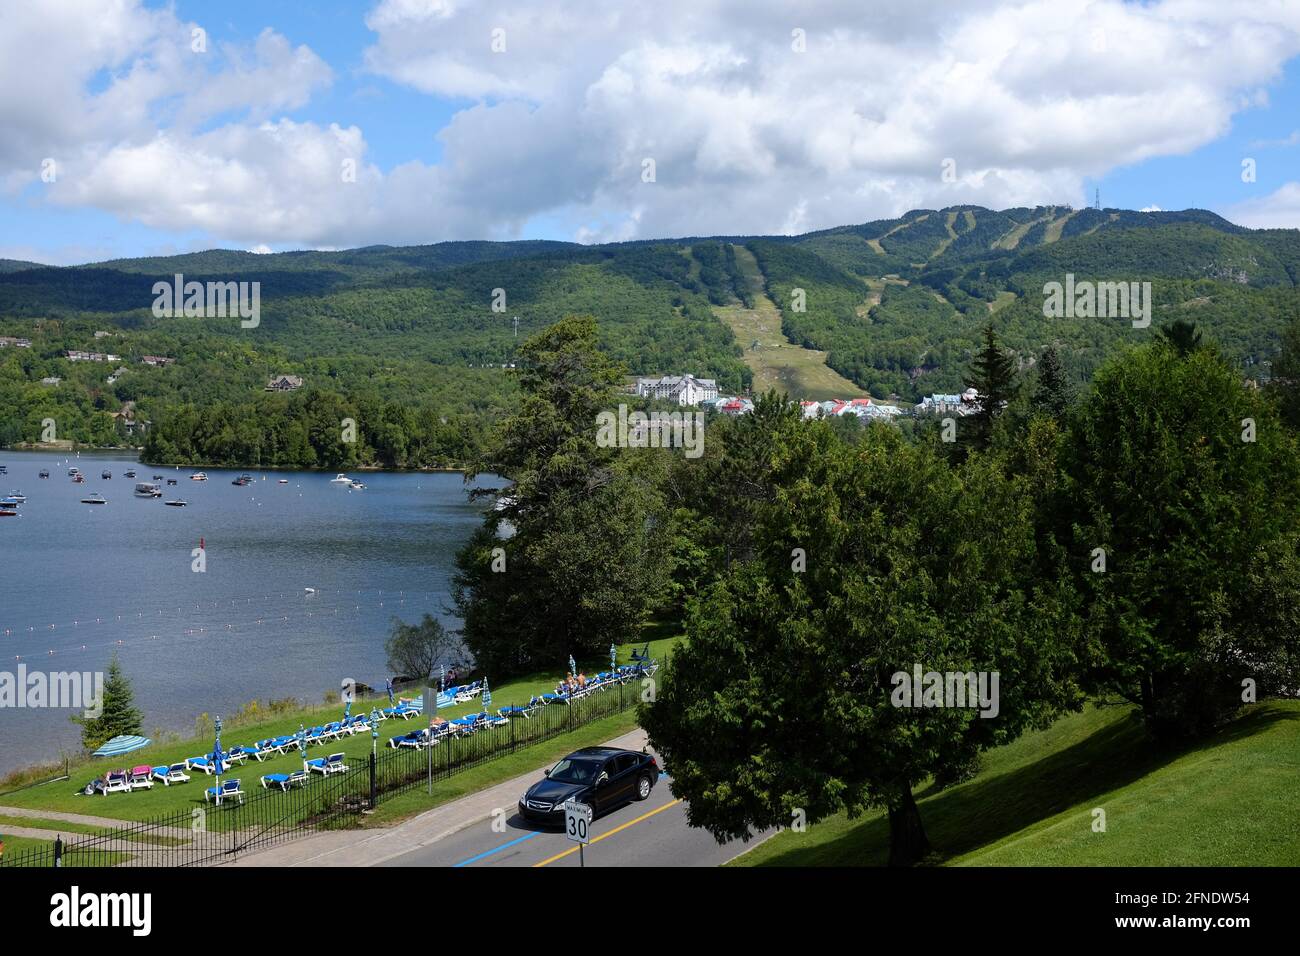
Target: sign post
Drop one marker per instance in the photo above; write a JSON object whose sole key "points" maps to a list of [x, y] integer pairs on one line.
{"points": [[577, 826]]}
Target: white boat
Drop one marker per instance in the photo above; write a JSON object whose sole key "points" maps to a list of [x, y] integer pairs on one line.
{"points": [[17, 496], [309, 590], [94, 499], [340, 479], [176, 503], [357, 486], [147, 489], [198, 476], [283, 481]]}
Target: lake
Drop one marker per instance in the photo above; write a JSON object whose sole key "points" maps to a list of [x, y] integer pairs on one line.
{"points": [[79, 583]]}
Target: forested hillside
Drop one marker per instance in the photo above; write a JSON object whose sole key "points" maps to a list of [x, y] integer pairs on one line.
{"points": [[896, 304]]}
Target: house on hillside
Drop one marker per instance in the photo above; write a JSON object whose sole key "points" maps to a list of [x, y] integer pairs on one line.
{"points": [[77, 355], [682, 389], [51, 380], [157, 361], [284, 383], [963, 404], [10, 341]]}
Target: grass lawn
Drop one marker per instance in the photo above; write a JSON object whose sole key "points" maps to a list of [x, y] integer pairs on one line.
{"points": [[1229, 801], [140, 805]]}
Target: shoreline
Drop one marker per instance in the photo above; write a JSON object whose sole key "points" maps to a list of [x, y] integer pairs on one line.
{"points": [[140, 459]]}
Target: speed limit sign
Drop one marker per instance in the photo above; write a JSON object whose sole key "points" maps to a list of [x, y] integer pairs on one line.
{"points": [[577, 821]]}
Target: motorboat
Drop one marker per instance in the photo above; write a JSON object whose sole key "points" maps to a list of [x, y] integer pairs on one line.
{"points": [[157, 477], [176, 503], [45, 472], [283, 481], [9, 503], [94, 499], [106, 474], [171, 481], [340, 479], [8, 513], [146, 489], [78, 479], [198, 476], [17, 496], [357, 486], [243, 480], [130, 473], [73, 471]]}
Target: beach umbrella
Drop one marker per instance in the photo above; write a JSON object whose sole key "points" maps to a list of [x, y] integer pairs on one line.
{"points": [[218, 757], [388, 683], [347, 709], [122, 744], [302, 744], [613, 657], [487, 695], [573, 668]]}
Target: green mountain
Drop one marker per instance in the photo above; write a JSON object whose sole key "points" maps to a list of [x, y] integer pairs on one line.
{"points": [[896, 306]]}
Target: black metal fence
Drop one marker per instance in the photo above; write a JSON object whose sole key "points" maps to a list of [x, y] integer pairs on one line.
{"points": [[209, 834]]}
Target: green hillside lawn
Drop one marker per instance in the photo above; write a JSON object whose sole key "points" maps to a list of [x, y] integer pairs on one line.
{"points": [[140, 805], [1233, 800]]}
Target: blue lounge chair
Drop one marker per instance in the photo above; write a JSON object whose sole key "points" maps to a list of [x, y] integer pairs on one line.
{"points": [[285, 781], [170, 775], [513, 711], [229, 788], [205, 764]]}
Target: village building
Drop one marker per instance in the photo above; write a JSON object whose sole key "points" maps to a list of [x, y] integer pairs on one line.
{"points": [[682, 389]]}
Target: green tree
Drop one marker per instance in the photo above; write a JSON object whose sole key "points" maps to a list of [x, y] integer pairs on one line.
{"points": [[1182, 335], [993, 375], [118, 714], [576, 553], [1187, 483], [1052, 391], [782, 698], [414, 650]]}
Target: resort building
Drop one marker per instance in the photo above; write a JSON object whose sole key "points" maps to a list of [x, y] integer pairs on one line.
{"points": [[284, 383], [682, 389]]}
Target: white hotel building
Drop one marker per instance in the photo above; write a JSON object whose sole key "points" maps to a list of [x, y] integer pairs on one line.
{"points": [[682, 389]]}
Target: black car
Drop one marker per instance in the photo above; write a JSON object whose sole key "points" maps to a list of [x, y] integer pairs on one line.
{"points": [[601, 777]]}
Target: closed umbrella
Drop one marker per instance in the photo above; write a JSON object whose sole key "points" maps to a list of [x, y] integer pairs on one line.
{"points": [[388, 683], [487, 695], [217, 758], [613, 657]]}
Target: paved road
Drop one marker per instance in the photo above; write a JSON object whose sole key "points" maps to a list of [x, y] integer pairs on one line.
{"points": [[652, 832]]}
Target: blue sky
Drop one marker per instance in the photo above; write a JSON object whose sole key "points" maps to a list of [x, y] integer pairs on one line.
{"points": [[161, 149]]}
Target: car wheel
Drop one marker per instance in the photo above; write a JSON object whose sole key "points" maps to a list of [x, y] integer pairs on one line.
{"points": [[643, 786]]}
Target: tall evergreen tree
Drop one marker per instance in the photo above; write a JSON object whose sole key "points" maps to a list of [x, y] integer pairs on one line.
{"points": [[575, 554], [993, 375], [1052, 394], [1182, 336], [118, 713]]}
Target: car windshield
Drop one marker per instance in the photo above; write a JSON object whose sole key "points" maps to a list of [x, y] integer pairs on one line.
{"points": [[570, 770]]}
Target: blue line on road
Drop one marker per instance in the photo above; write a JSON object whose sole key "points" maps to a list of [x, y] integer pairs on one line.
{"points": [[504, 846]]}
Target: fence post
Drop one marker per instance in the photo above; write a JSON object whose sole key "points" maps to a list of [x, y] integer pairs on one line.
{"points": [[374, 789], [512, 728]]}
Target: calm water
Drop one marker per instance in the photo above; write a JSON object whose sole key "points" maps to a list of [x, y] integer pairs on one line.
{"points": [[79, 582]]}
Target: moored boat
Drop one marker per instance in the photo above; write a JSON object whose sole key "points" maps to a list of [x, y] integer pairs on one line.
{"points": [[106, 474], [146, 489], [45, 472], [340, 479], [94, 499], [176, 503], [198, 476]]}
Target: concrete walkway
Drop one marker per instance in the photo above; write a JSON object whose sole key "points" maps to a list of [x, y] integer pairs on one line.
{"points": [[370, 847], [106, 822]]}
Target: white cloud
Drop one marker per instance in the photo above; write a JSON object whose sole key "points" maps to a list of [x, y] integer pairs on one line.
{"points": [[1278, 210], [1030, 98]]}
